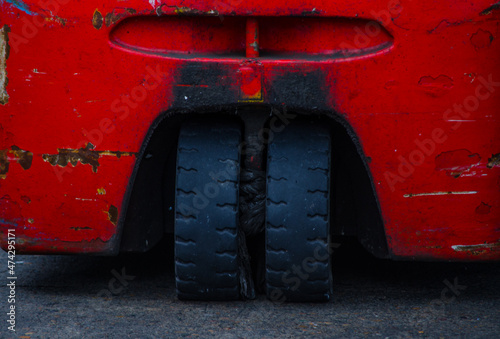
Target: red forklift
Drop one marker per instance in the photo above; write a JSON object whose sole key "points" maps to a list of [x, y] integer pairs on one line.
{"points": [[259, 134]]}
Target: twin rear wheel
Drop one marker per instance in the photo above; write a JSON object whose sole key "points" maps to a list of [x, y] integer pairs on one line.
{"points": [[207, 237]]}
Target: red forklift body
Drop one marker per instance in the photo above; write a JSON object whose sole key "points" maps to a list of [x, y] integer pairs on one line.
{"points": [[415, 85]]}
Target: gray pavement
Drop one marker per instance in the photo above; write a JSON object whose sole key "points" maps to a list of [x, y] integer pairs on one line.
{"points": [[133, 296]]}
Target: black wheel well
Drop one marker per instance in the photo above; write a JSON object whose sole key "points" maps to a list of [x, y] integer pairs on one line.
{"points": [[149, 203]]}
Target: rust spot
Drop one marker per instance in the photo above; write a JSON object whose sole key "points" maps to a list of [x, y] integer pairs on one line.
{"points": [[494, 161], [26, 199], [110, 19], [86, 156], [116, 14], [491, 8], [481, 39], [456, 162], [190, 11], [483, 208], [4, 164], [117, 154], [23, 158], [97, 19], [113, 214], [436, 87], [4, 55]]}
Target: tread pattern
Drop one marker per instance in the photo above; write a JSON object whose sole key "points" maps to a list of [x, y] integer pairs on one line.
{"points": [[298, 214], [206, 219]]}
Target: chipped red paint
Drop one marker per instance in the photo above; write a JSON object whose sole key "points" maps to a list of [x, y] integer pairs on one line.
{"points": [[416, 80], [456, 162]]}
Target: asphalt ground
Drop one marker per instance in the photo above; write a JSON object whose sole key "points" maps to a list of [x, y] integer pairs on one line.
{"points": [[133, 296]]}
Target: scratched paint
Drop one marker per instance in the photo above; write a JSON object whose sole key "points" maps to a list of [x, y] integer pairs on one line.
{"points": [[476, 247], [4, 55], [411, 195], [456, 162], [408, 73]]}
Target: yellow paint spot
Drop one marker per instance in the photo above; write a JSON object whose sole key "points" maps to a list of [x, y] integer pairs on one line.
{"points": [[101, 191]]}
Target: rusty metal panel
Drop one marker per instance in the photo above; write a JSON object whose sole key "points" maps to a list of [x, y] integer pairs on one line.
{"points": [[418, 82]]}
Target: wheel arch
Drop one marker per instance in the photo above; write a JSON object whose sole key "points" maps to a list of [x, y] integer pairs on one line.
{"points": [[355, 207]]}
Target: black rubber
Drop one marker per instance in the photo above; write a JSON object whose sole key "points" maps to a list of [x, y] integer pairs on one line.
{"points": [[206, 218], [298, 214]]}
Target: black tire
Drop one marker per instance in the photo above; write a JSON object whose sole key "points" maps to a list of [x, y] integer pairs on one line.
{"points": [[206, 218], [298, 214]]}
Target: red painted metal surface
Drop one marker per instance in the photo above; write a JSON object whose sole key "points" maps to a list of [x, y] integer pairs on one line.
{"points": [[252, 38], [419, 82]]}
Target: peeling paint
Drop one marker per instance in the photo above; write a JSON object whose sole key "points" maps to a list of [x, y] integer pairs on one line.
{"points": [[86, 156], [4, 164], [190, 11], [60, 20], [436, 87], [411, 195], [113, 214], [494, 161], [97, 19], [20, 6], [4, 55], [481, 39], [116, 14], [65, 156], [22, 157], [490, 9], [456, 162]]}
